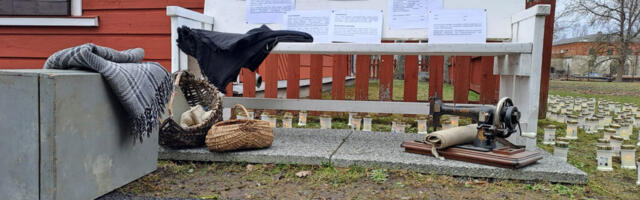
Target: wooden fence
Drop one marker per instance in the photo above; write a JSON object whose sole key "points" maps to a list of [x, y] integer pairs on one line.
{"points": [[465, 72]]}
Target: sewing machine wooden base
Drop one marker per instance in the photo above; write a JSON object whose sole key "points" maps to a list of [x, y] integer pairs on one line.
{"points": [[504, 157]]}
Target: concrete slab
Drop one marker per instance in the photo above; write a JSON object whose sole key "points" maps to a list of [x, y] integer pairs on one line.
{"points": [[300, 146], [374, 149]]}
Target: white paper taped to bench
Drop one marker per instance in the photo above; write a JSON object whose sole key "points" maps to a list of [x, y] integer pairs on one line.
{"points": [[230, 15]]}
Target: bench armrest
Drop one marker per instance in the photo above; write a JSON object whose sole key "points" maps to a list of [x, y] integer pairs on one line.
{"points": [[177, 11]]}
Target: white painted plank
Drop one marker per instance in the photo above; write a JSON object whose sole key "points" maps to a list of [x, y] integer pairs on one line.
{"points": [[489, 49], [49, 21], [190, 14]]}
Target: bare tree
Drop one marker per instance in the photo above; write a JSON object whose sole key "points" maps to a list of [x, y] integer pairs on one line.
{"points": [[599, 48], [622, 17]]}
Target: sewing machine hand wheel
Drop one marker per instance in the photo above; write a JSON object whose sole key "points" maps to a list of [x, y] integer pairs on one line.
{"points": [[506, 117]]}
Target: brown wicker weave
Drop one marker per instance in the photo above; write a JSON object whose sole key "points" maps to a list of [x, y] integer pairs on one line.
{"points": [[197, 92], [239, 134]]}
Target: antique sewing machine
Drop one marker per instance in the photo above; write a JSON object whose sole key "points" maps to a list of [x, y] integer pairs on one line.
{"points": [[495, 123]]}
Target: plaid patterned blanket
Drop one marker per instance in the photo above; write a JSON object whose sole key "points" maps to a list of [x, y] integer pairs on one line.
{"points": [[142, 87]]}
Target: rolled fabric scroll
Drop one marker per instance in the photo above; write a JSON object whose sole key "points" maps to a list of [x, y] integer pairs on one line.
{"points": [[453, 136]]}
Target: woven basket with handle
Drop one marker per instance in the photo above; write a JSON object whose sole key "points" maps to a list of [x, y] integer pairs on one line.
{"points": [[196, 92], [239, 134]]}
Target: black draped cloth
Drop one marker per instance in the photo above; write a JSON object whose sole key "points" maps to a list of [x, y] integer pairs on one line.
{"points": [[222, 55]]}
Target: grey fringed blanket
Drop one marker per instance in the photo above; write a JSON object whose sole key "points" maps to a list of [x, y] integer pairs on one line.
{"points": [[142, 87]]}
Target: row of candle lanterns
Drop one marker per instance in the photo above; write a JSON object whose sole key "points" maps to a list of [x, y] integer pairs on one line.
{"points": [[606, 149], [355, 121]]}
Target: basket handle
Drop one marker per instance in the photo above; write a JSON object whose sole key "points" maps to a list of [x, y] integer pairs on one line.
{"points": [[175, 91], [246, 113]]}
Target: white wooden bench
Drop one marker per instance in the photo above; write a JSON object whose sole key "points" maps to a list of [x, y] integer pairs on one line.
{"points": [[516, 37]]}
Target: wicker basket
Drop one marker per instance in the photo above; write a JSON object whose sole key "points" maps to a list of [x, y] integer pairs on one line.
{"points": [[239, 134], [197, 92]]}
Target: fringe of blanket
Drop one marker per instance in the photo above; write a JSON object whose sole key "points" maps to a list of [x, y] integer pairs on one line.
{"points": [[145, 123]]}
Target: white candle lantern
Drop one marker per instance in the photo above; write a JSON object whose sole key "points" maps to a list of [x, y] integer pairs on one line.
{"points": [[561, 150], [549, 135], [612, 107], [397, 126], [325, 122], [591, 112], [602, 105], [422, 125], [572, 130], [627, 157], [561, 118], [608, 120], [273, 121], [601, 125], [581, 121], [562, 139], [446, 124], [356, 122], [264, 116], [618, 129], [287, 120], [400, 127], [553, 115], [603, 142], [394, 125], [603, 157], [625, 132], [351, 114], [608, 133], [616, 142], [591, 125], [251, 114], [366, 123], [241, 115], [302, 118], [454, 120], [576, 107]]}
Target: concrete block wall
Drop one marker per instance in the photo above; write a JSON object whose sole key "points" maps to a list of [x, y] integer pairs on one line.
{"points": [[65, 136]]}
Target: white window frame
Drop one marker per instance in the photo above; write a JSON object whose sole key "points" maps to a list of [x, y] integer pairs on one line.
{"points": [[76, 19]]}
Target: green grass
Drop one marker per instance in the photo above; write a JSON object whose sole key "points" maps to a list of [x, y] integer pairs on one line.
{"points": [[622, 92], [273, 181]]}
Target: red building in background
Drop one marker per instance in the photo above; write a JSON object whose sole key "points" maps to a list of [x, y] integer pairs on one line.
{"points": [[593, 54]]}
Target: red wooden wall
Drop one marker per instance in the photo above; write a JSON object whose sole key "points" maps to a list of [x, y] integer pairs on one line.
{"points": [[123, 24]]}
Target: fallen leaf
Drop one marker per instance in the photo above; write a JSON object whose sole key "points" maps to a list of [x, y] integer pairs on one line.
{"points": [[476, 182], [301, 174], [249, 167]]}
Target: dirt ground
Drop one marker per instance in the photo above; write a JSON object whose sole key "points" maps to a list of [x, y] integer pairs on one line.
{"points": [[269, 181]]}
